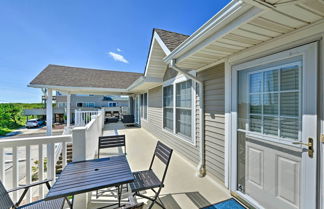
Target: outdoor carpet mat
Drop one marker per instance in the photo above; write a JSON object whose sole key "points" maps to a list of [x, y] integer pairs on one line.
{"points": [[226, 204]]}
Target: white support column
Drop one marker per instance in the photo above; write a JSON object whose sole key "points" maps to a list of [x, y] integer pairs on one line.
{"points": [[49, 112], [68, 110]]}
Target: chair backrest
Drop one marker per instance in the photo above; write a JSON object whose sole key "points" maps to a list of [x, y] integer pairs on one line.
{"points": [[164, 153], [111, 142], [5, 201]]}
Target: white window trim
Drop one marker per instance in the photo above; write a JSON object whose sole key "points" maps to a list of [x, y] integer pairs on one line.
{"points": [[173, 81]]}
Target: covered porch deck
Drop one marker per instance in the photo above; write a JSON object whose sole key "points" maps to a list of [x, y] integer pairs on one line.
{"points": [[183, 189]]}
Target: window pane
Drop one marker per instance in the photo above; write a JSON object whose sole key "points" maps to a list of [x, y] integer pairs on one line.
{"points": [[183, 94], [168, 118], [183, 125], [289, 103], [145, 106], [289, 128], [168, 96], [255, 104], [270, 104], [270, 125], [289, 78], [255, 82], [255, 123], [270, 82]]}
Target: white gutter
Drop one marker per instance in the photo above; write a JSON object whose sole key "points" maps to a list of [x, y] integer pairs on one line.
{"points": [[202, 156]]}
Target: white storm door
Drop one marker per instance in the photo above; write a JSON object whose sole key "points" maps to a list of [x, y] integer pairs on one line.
{"points": [[277, 118]]}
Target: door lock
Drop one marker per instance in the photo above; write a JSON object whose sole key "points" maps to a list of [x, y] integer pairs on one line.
{"points": [[310, 146]]}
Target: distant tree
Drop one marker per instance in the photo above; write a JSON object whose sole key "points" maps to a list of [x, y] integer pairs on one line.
{"points": [[13, 112]]}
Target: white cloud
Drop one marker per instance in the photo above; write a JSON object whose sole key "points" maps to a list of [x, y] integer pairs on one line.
{"points": [[118, 57], [119, 50]]}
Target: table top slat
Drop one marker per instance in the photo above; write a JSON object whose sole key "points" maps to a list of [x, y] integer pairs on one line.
{"points": [[90, 175]]}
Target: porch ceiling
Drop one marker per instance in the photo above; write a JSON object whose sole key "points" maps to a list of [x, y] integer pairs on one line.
{"points": [[258, 24]]}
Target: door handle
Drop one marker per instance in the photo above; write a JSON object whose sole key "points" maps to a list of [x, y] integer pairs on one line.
{"points": [[310, 146]]}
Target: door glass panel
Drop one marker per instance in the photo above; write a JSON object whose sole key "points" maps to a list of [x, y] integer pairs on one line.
{"points": [[289, 128], [255, 104], [270, 125], [255, 82], [289, 78], [270, 103], [270, 81], [289, 104]]}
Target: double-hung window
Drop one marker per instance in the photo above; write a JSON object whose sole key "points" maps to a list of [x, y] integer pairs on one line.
{"points": [[168, 107], [183, 108], [177, 109], [144, 106]]}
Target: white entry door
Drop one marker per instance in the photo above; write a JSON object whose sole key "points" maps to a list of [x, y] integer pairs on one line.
{"points": [[277, 129]]}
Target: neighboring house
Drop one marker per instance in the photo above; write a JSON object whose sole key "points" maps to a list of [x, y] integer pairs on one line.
{"points": [[241, 99], [80, 102]]}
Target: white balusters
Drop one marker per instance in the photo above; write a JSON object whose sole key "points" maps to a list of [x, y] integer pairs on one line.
{"points": [[23, 153]]}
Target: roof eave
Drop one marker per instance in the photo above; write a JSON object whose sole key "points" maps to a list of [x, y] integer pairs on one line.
{"points": [[78, 89], [216, 22]]}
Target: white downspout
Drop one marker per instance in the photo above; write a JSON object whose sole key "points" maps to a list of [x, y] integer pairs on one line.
{"points": [[202, 160]]}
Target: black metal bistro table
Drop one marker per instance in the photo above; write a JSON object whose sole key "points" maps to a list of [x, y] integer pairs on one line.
{"points": [[90, 175]]}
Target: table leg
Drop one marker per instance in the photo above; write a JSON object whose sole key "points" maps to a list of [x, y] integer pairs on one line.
{"points": [[119, 194]]}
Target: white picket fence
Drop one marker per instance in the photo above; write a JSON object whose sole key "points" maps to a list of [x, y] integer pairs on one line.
{"points": [[81, 118]]}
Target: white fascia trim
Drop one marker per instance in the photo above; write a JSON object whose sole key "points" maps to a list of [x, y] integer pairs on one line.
{"points": [[222, 18], [141, 80], [137, 82], [165, 49], [73, 88]]}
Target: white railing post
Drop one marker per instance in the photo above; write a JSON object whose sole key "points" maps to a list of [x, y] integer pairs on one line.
{"points": [[49, 112], [28, 173], [15, 171], [64, 154], [79, 154], [51, 161], [2, 165], [41, 168]]}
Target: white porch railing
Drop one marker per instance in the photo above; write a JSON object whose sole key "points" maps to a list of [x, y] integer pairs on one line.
{"points": [[81, 118], [18, 157]]}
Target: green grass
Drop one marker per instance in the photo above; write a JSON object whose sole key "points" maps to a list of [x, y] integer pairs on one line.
{"points": [[4, 131]]}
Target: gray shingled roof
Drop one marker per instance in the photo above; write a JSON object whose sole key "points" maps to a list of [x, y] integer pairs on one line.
{"points": [[171, 39], [56, 75]]}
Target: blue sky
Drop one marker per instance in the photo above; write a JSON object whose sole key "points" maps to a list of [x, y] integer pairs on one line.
{"points": [[85, 33]]}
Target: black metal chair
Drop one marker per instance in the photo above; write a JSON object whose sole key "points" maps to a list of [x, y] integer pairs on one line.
{"points": [[7, 203], [114, 141], [145, 180], [136, 206]]}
